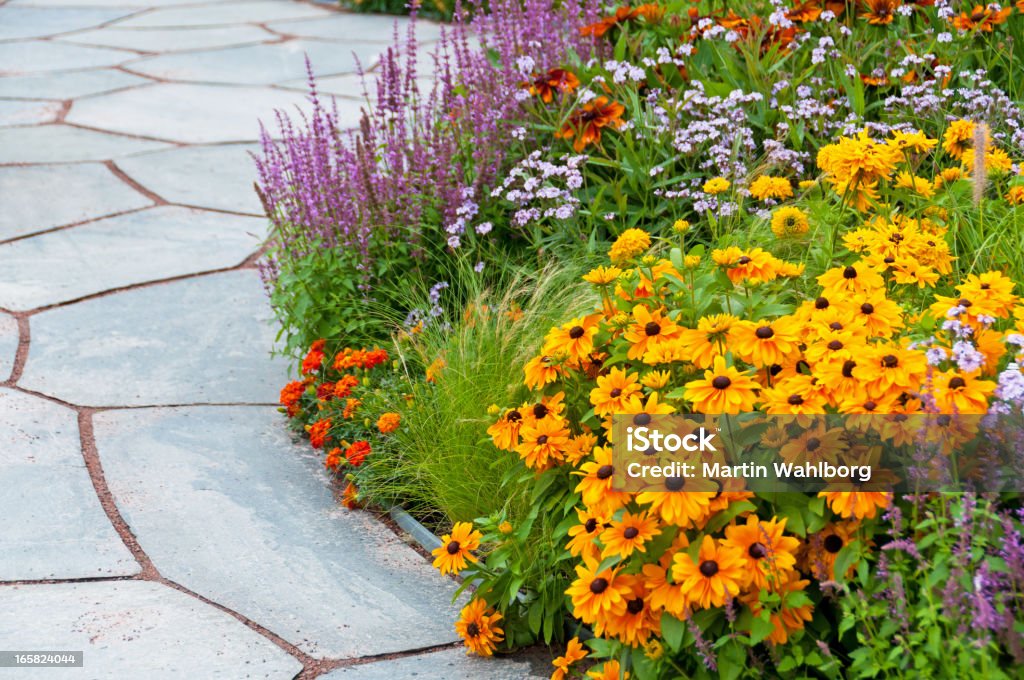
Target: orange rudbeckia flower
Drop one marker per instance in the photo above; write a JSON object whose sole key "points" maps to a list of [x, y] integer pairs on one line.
{"points": [[585, 123]]}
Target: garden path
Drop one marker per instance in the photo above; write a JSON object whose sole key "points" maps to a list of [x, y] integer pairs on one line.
{"points": [[155, 513]]}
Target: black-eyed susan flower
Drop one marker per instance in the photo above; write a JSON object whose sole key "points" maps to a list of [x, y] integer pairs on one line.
{"points": [[543, 442], [583, 536], [602, 276], [854, 279], [597, 594], [958, 392], [574, 652], [625, 536], [609, 670], [635, 625], [650, 330], [540, 371], [822, 548], [723, 390], [596, 481], [574, 339], [478, 627], [785, 619], [707, 341], [768, 554], [613, 391], [789, 221], [456, 548], [683, 501], [765, 342], [717, 575], [505, 431]]}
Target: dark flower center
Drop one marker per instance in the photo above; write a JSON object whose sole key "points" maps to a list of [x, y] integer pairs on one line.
{"points": [[985, 286], [576, 332], [543, 439], [721, 382], [850, 272], [774, 370], [890, 361], [848, 367], [635, 606], [956, 383], [605, 471], [631, 533], [833, 543], [963, 302], [472, 630], [757, 550], [944, 420], [652, 328], [867, 308], [795, 400], [835, 345], [813, 444], [821, 303], [870, 405], [709, 568], [642, 419], [453, 547], [514, 416], [889, 260], [743, 260], [674, 483], [764, 332], [598, 585], [540, 410], [615, 393], [591, 525]]}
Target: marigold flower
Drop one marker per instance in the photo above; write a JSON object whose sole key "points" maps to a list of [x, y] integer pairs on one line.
{"points": [[350, 496], [766, 186], [318, 432], [357, 453], [505, 527], [314, 359], [716, 185], [290, 395], [455, 552], [478, 628], [388, 422], [680, 226], [629, 244], [716, 575], [334, 458]]}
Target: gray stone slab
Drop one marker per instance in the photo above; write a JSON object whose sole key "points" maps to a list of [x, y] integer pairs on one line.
{"points": [[62, 143], [222, 500], [111, 3], [348, 28], [350, 85], [68, 85], [202, 340], [135, 629], [197, 114], [155, 244], [87, 191], [8, 344], [27, 112], [258, 64], [20, 58], [171, 40], [223, 15], [54, 526], [450, 664], [34, 22], [219, 177]]}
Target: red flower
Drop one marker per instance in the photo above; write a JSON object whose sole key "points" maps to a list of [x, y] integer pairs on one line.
{"points": [[334, 459], [586, 122], [318, 432], [325, 391], [350, 497], [344, 386], [290, 395], [357, 453], [315, 358]]}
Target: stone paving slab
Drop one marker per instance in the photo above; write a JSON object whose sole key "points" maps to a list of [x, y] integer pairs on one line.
{"points": [[32, 22], [87, 191], [27, 112], [348, 28], [227, 506], [449, 664], [134, 4], [197, 114], [155, 244], [8, 344], [201, 340], [135, 629], [63, 143], [68, 85], [21, 58], [223, 14], [171, 40], [54, 526], [219, 177], [258, 64]]}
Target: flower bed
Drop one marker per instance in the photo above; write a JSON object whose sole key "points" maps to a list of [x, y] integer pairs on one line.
{"points": [[680, 209]]}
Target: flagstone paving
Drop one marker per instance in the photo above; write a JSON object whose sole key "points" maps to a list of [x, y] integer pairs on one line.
{"points": [[158, 515]]}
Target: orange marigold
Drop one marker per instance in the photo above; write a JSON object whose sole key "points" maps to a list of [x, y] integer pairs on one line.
{"points": [[388, 422]]}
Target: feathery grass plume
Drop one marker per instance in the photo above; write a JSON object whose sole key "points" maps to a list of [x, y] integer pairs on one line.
{"points": [[980, 174]]}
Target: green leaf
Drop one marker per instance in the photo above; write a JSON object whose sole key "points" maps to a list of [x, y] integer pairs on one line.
{"points": [[847, 557], [673, 630], [760, 628]]}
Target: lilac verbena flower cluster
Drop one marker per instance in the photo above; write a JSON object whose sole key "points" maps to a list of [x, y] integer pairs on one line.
{"points": [[540, 189], [407, 174]]}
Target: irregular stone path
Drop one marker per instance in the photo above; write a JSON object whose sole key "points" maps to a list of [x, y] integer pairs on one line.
{"points": [[156, 514]]}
